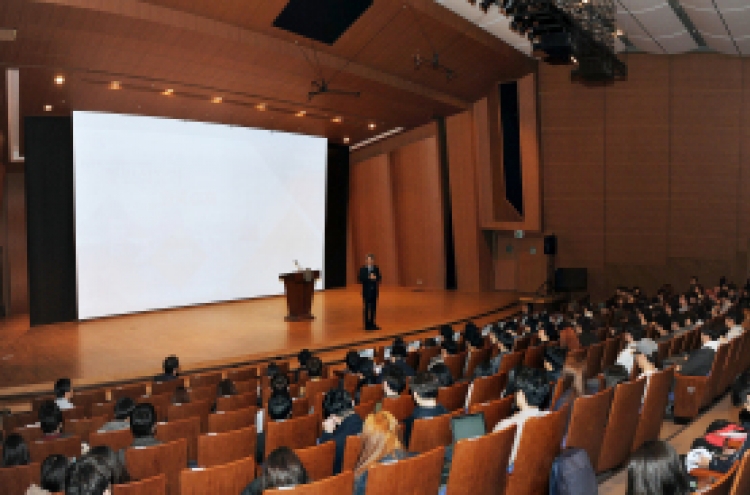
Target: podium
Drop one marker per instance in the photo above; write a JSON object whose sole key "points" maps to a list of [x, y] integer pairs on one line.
{"points": [[299, 288]]}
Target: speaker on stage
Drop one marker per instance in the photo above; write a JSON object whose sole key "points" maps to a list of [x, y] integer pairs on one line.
{"points": [[550, 245]]}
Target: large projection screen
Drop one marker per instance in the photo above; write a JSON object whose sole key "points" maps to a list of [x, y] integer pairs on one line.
{"points": [[173, 213]]}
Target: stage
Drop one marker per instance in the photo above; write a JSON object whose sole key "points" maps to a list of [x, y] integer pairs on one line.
{"points": [[133, 346]]}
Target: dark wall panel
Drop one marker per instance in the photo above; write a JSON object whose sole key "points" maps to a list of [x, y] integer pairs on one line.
{"points": [[337, 207], [50, 220]]}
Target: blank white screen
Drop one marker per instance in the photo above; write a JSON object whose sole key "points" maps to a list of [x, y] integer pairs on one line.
{"points": [[173, 213]]}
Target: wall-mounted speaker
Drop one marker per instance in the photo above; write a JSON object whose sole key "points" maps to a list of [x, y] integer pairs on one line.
{"points": [[550, 245]]}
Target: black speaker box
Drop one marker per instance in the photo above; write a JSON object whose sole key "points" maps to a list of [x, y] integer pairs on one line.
{"points": [[550, 245]]}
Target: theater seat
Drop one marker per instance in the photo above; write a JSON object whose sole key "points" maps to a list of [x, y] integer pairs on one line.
{"points": [[222, 421], [86, 398], [188, 428], [652, 410], [364, 409], [534, 357], [132, 390], [207, 393], [342, 484], [19, 420], [401, 407], [192, 409], [741, 483], [221, 448], [455, 364], [226, 479], [621, 425], [417, 475], [510, 361], [235, 402], [453, 398], [116, 440], [473, 471], [167, 387], [39, 450], [588, 422], [425, 356], [17, 479], [209, 379], [371, 393], [296, 433], [487, 388], [475, 359], [156, 485], [430, 433], [318, 460], [83, 427], [494, 411], [160, 402], [242, 374], [168, 459]]}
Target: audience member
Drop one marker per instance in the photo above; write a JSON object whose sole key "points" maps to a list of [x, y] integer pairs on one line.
{"points": [[655, 469], [225, 388], [15, 451], [380, 443], [280, 385], [443, 374], [52, 478], [635, 342], [398, 356], [497, 340], [699, 361], [340, 422], [282, 469], [424, 390], [88, 476], [51, 420], [279, 409], [171, 367], [118, 472], [63, 394], [123, 407], [143, 425], [315, 368]]}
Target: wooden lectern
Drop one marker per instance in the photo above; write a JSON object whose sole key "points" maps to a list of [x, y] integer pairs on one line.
{"points": [[299, 288]]}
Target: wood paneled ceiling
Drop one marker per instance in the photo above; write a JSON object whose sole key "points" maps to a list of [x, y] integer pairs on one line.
{"points": [[203, 49]]}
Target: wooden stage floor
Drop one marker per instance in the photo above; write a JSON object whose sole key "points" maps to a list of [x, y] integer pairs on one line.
{"points": [[127, 347]]}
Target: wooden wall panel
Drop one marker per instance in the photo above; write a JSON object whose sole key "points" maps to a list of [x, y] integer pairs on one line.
{"points": [[417, 199], [371, 206], [15, 221]]}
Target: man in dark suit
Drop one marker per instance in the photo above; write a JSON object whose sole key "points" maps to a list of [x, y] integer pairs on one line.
{"points": [[369, 277], [341, 422], [699, 362]]}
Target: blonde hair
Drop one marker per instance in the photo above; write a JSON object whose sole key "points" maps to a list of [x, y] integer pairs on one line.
{"points": [[379, 439]]}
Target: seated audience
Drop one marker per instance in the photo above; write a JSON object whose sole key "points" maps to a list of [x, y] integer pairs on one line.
{"points": [[474, 343], [352, 360], [279, 409], [398, 356], [51, 420], [497, 339], [143, 426], [280, 385], [52, 479], [314, 372], [282, 469], [15, 451], [63, 394], [171, 367], [424, 390], [181, 395], [733, 320], [380, 443], [699, 361], [586, 334], [302, 358], [340, 422], [635, 342], [88, 476], [532, 392], [123, 407], [394, 383], [118, 472], [655, 469], [443, 374], [447, 348]]}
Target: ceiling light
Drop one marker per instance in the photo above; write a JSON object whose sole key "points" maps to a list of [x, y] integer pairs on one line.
{"points": [[346, 139], [115, 85], [619, 32], [217, 99], [47, 108], [8, 34], [371, 126], [168, 92], [337, 120], [261, 107], [573, 59], [59, 79], [301, 113]]}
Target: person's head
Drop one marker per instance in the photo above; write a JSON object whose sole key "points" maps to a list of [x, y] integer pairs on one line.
{"points": [[181, 395], [443, 374], [633, 333], [446, 332], [53, 473], [483, 369], [114, 463], [123, 407], [279, 407], [283, 469], [370, 259], [272, 369], [50, 417], [143, 420], [171, 365], [352, 361], [394, 381], [63, 389], [531, 388], [88, 476], [15, 451], [315, 367], [707, 334], [337, 402], [379, 439], [279, 384], [646, 362], [398, 349], [425, 387], [303, 357], [449, 348], [367, 371], [655, 469], [225, 388], [475, 341]]}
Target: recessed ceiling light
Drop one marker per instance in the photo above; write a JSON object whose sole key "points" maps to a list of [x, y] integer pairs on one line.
{"points": [[618, 32], [217, 99], [115, 85], [337, 120], [371, 126], [346, 139], [59, 79], [301, 113], [47, 108], [261, 107], [168, 92]]}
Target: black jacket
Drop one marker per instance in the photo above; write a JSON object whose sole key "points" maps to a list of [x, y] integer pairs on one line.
{"points": [[421, 413], [369, 287], [352, 425], [404, 366], [699, 362]]}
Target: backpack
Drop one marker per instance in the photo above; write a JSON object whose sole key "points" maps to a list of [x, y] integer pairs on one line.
{"points": [[572, 474]]}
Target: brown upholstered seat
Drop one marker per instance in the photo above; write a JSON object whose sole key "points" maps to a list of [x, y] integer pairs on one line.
{"points": [[168, 459], [19, 420], [692, 393], [588, 422], [722, 484], [350, 383], [83, 427], [425, 356], [242, 374], [430, 433], [188, 428], [594, 355], [401, 407], [226, 479], [75, 413], [167, 387], [314, 387], [133, 390], [510, 361], [207, 393], [296, 433], [417, 475], [455, 364], [220, 448], [537, 448], [522, 343], [371, 393], [488, 388], [116, 440], [155, 485], [39, 450], [222, 421], [17, 479], [611, 350], [453, 398], [474, 472], [741, 483], [209, 379], [103, 409], [475, 359], [494, 411], [534, 357], [352, 449], [621, 425], [342, 484], [652, 410], [29, 433], [247, 386], [200, 409], [160, 402], [234, 402], [300, 407], [85, 399], [318, 460], [364, 409]]}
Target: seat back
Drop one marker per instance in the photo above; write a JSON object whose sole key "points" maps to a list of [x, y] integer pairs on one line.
{"points": [[475, 472], [342, 483], [226, 479], [222, 421], [723, 484], [594, 360], [611, 350], [364, 409], [494, 411], [296, 433], [588, 422], [84, 427], [234, 402], [85, 399], [537, 448], [401, 407], [242, 374], [200, 409], [105, 409], [318, 460], [116, 440], [510, 361], [430, 433], [522, 343], [487, 388], [621, 425], [371, 393], [300, 407], [741, 483], [167, 387], [455, 364], [352, 450], [75, 413], [188, 428], [417, 475], [39, 450], [160, 402], [654, 404], [133, 390], [207, 393], [314, 387], [209, 379], [19, 420], [247, 386], [534, 357], [475, 359], [156, 485], [17, 479], [29, 433], [168, 459], [425, 356], [220, 448], [453, 398]]}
